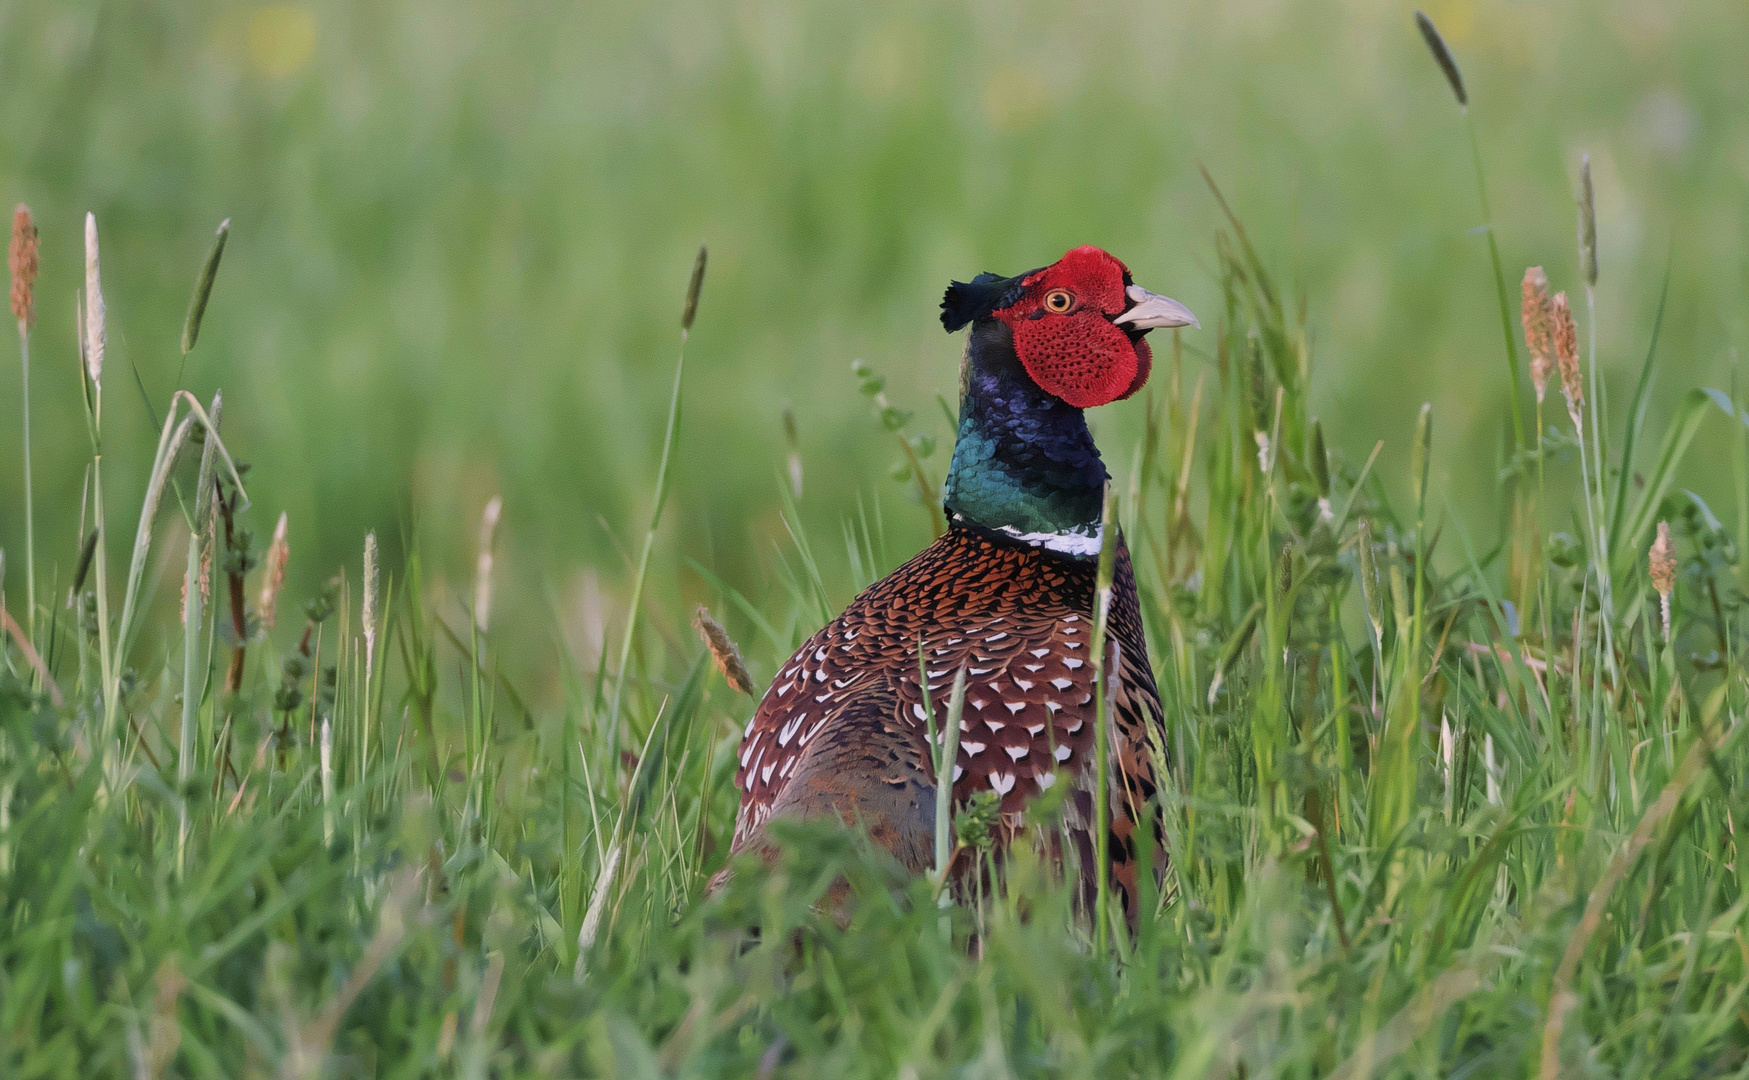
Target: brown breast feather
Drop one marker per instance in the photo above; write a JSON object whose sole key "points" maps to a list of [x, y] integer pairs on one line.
{"points": [[1019, 619]]}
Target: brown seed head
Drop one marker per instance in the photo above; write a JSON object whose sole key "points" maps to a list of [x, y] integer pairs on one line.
{"points": [[1567, 353], [1538, 337], [1661, 562], [723, 651], [21, 258]]}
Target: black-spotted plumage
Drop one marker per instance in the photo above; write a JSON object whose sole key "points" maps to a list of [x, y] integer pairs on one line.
{"points": [[1020, 620], [1007, 593]]}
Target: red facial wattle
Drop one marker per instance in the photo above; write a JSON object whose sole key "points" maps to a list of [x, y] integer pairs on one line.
{"points": [[1077, 324], [1076, 352], [1080, 357]]}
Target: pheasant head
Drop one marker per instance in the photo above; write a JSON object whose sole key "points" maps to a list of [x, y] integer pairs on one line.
{"points": [[1077, 324], [1044, 346]]}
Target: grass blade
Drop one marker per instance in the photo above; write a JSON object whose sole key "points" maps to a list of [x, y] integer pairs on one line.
{"points": [[1637, 416]]}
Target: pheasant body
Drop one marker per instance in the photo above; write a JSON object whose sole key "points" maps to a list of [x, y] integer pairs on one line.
{"points": [[1007, 594]]}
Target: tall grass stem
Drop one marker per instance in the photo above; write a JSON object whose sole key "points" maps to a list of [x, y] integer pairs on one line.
{"points": [[29, 497], [670, 436], [193, 672], [1500, 293], [1102, 793]]}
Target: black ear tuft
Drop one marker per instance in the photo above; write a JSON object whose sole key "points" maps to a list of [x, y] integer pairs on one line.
{"points": [[965, 301]]}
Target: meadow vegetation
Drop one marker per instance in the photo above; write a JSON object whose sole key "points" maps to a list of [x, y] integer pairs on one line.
{"points": [[1455, 719]]}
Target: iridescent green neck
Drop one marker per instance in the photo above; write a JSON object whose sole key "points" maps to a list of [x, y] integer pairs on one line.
{"points": [[1024, 462]]}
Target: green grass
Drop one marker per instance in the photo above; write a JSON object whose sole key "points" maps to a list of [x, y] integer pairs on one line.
{"points": [[1443, 799]]}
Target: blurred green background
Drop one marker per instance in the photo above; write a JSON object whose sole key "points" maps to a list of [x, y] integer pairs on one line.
{"points": [[461, 233]]}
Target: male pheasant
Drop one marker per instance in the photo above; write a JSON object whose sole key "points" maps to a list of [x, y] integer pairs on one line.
{"points": [[1007, 592]]}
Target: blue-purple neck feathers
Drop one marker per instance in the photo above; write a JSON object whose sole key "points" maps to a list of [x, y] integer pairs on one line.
{"points": [[1024, 462]]}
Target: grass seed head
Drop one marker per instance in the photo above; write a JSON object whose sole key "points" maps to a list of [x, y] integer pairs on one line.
{"points": [[724, 652], [86, 551], [483, 568], [369, 604], [203, 288], [273, 575], [1442, 56], [1370, 585], [1661, 568], [1567, 355], [1421, 452], [94, 330], [1661, 562], [1587, 223], [693, 287], [1538, 334], [795, 450], [206, 552], [22, 260]]}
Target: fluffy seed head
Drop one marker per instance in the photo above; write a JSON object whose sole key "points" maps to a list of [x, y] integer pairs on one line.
{"points": [[94, 331], [483, 567], [1661, 562], [1567, 354], [1538, 334], [369, 612], [368, 615], [22, 261], [724, 652], [273, 574]]}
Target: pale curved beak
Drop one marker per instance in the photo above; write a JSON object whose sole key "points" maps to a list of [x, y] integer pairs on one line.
{"points": [[1149, 310]]}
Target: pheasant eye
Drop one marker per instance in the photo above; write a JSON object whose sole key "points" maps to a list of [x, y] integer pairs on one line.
{"points": [[1059, 301]]}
